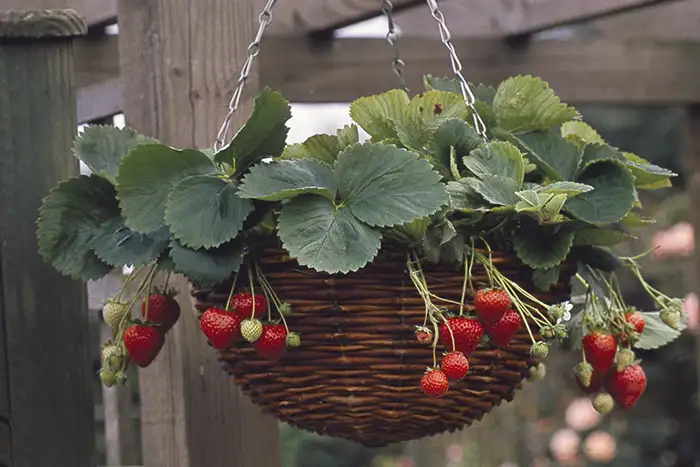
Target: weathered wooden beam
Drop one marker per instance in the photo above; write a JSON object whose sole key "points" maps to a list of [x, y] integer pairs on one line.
{"points": [[97, 12], [309, 16], [45, 373], [672, 21], [178, 62], [604, 72], [498, 18]]}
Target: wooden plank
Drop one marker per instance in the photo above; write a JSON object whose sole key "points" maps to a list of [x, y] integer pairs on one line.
{"points": [[308, 16], [179, 59], [674, 21], [45, 373], [501, 18], [97, 12]]}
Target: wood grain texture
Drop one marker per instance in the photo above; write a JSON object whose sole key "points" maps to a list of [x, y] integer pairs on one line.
{"points": [[505, 18], [17, 24], [45, 369], [179, 60], [672, 21]]}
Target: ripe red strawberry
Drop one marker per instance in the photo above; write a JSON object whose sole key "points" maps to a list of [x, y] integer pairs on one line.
{"points": [[455, 365], [272, 345], [467, 333], [600, 350], [627, 385], [424, 335], [636, 320], [242, 304], [502, 331], [491, 304], [162, 309], [434, 383], [221, 327], [143, 343]]}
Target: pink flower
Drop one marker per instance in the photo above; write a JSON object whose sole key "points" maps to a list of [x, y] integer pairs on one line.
{"points": [[676, 241], [691, 306]]}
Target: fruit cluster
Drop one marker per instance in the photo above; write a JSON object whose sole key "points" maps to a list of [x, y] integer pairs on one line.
{"points": [[225, 328], [461, 335], [138, 341], [609, 369]]}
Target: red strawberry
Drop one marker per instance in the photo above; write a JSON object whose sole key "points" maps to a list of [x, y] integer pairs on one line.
{"points": [[627, 385], [424, 335], [273, 342], [502, 331], [434, 383], [221, 327], [162, 309], [600, 350], [638, 323], [467, 333], [242, 305], [455, 365], [491, 304], [143, 343]]}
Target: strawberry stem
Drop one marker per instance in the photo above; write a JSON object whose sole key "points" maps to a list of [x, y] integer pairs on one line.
{"points": [[233, 288], [452, 336], [129, 279], [467, 276], [252, 290]]}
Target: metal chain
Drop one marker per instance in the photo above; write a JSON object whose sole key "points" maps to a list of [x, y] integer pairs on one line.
{"points": [[392, 38], [446, 38], [264, 19]]}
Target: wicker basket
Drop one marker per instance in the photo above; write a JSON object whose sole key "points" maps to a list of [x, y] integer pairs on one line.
{"points": [[357, 372]]}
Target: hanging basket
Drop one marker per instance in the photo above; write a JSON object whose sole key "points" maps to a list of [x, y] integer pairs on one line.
{"points": [[357, 373]]}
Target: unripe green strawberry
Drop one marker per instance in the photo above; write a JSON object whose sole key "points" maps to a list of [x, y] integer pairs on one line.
{"points": [[547, 332], [285, 308], [624, 358], [293, 340], [539, 350], [251, 330], [114, 312], [603, 403], [584, 372], [112, 356], [538, 372], [108, 378], [120, 378], [671, 318]]}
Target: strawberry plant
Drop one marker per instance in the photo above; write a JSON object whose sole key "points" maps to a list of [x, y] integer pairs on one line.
{"points": [[538, 183]]}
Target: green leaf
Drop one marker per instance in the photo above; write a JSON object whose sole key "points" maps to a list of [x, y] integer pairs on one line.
{"points": [[656, 334], [326, 238], [598, 258], [647, 176], [383, 185], [612, 196], [498, 158], [206, 267], [565, 188], [322, 147], [593, 153], [147, 175], [425, 112], [284, 179], [544, 279], [442, 84], [463, 197], [205, 211], [70, 217], [552, 207], [263, 135], [633, 219], [415, 230], [452, 135], [530, 200], [601, 237], [348, 135], [376, 114], [526, 103], [102, 147], [544, 247], [581, 131], [556, 157], [495, 189], [117, 245]]}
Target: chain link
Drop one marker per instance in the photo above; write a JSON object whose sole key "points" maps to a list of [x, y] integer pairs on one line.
{"points": [[446, 38], [264, 19], [392, 38]]}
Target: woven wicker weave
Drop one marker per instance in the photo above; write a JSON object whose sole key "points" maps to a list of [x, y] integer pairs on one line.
{"points": [[357, 372]]}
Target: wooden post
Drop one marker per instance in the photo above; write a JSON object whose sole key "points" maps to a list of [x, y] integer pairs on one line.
{"points": [[179, 62], [45, 372]]}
